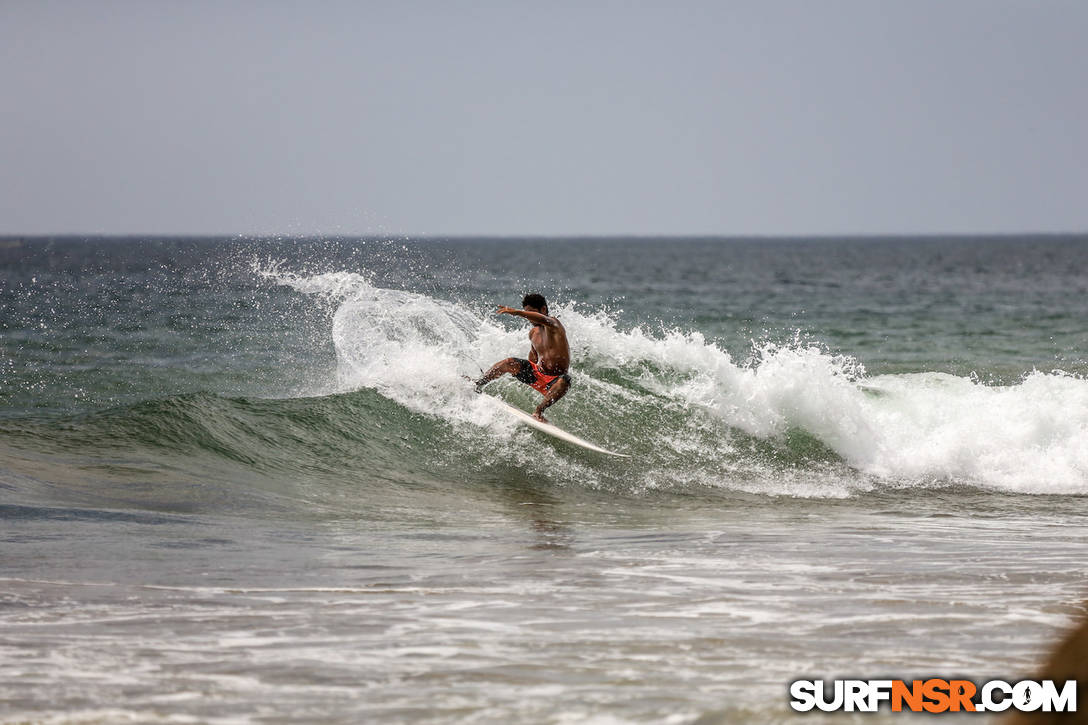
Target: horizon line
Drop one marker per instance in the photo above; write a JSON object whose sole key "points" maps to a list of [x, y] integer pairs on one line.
{"points": [[427, 237]]}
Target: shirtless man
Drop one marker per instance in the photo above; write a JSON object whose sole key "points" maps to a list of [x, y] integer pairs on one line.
{"points": [[546, 369]]}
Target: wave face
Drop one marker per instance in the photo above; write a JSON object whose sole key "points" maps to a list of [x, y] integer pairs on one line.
{"points": [[390, 404]]}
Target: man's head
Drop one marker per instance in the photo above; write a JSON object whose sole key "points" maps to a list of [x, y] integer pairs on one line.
{"points": [[535, 302]]}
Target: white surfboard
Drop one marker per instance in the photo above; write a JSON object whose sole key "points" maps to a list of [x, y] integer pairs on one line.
{"points": [[553, 430]]}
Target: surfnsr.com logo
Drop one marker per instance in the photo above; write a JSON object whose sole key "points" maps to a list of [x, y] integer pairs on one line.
{"points": [[933, 695]]}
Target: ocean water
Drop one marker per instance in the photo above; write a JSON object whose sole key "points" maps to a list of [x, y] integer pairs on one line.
{"points": [[244, 480]]}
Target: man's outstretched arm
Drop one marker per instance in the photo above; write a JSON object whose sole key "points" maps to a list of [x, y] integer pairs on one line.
{"points": [[534, 317]]}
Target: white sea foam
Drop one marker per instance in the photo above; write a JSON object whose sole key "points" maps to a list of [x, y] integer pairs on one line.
{"points": [[907, 429]]}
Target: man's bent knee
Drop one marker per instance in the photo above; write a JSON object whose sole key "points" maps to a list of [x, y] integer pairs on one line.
{"points": [[510, 365]]}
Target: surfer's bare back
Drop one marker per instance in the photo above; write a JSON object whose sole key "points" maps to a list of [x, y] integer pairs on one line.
{"points": [[549, 355]]}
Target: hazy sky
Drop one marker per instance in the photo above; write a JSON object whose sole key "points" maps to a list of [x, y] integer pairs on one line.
{"points": [[446, 118]]}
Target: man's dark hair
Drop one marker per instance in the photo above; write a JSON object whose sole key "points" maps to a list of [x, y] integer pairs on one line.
{"points": [[534, 300]]}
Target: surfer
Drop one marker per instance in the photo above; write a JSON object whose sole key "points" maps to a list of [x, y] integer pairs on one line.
{"points": [[549, 355]]}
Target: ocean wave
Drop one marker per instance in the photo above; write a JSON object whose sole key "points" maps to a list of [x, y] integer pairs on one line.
{"points": [[790, 419], [655, 392]]}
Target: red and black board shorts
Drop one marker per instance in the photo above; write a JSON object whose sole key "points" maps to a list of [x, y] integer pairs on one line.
{"points": [[530, 374]]}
